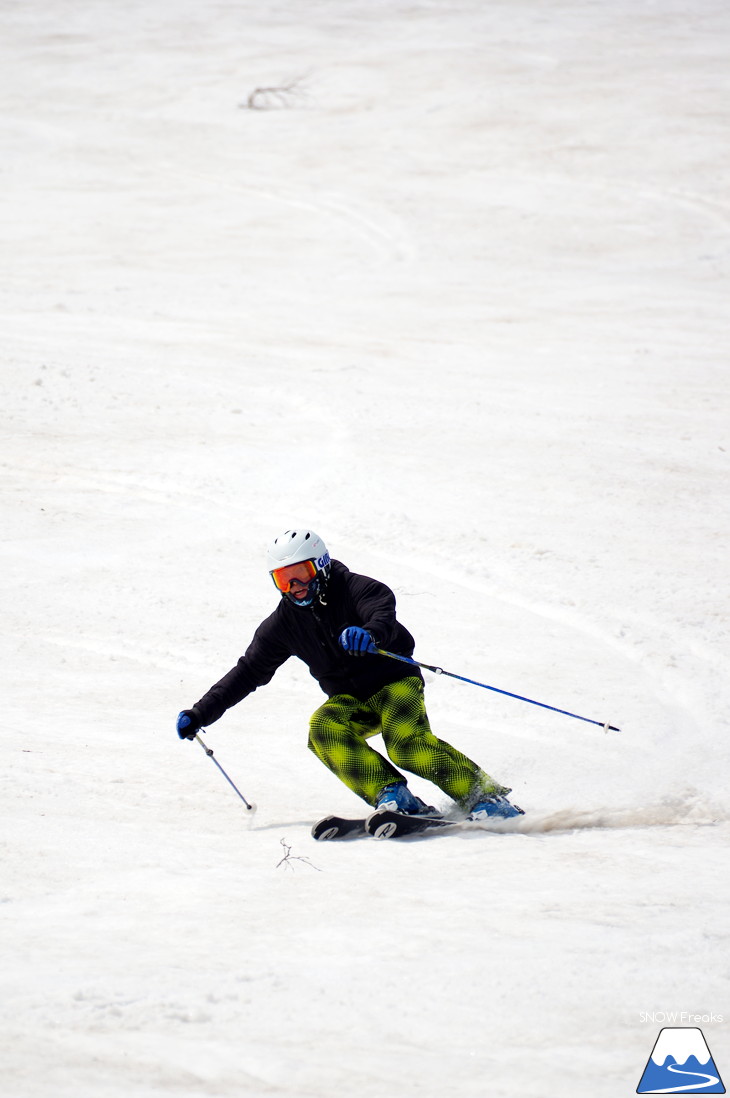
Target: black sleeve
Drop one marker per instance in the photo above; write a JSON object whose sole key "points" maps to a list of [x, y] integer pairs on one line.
{"points": [[375, 605], [265, 654]]}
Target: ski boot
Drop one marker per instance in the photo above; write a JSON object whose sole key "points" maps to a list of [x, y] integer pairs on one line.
{"points": [[494, 806], [397, 797]]}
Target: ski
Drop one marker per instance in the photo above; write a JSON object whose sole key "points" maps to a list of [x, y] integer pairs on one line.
{"points": [[337, 827], [395, 825], [391, 825]]}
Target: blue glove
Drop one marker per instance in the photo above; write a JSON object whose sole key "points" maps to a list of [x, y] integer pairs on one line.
{"points": [[357, 641], [188, 723]]}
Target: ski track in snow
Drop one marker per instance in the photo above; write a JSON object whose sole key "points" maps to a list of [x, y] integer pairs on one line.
{"points": [[672, 811]]}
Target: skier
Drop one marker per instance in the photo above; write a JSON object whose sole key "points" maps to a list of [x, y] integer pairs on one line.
{"points": [[335, 620]]}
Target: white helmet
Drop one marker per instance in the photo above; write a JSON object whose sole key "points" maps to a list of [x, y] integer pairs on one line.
{"points": [[293, 547]]}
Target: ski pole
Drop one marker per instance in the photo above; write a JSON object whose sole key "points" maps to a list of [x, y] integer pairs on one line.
{"points": [[209, 753], [440, 671]]}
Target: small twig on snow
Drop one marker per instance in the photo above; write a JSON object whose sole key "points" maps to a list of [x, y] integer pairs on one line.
{"points": [[276, 97], [288, 858]]}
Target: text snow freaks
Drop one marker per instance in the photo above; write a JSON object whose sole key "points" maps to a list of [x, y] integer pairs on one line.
{"points": [[679, 1017]]}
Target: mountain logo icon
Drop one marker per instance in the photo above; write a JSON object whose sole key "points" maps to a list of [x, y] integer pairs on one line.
{"points": [[680, 1063]]}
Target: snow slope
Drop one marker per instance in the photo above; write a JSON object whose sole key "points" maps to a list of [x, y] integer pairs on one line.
{"points": [[457, 300]]}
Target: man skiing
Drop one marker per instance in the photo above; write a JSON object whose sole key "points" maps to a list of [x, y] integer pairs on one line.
{"points": [[335, 621]]}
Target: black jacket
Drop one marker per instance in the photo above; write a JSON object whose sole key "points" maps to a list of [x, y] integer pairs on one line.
{"points": [[311, 633]]}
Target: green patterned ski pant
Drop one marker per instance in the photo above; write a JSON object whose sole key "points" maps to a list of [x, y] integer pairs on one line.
{"points": [[339, 730]]}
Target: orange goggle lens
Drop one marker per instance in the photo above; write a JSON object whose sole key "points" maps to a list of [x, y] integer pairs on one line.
{"points": [[303, 572]]}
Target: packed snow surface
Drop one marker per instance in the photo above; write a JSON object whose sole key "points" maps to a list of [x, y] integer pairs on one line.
{"points": [[447, 282]]}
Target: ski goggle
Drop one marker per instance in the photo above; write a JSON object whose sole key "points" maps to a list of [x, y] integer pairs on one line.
{"points": [[303, 572]]}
